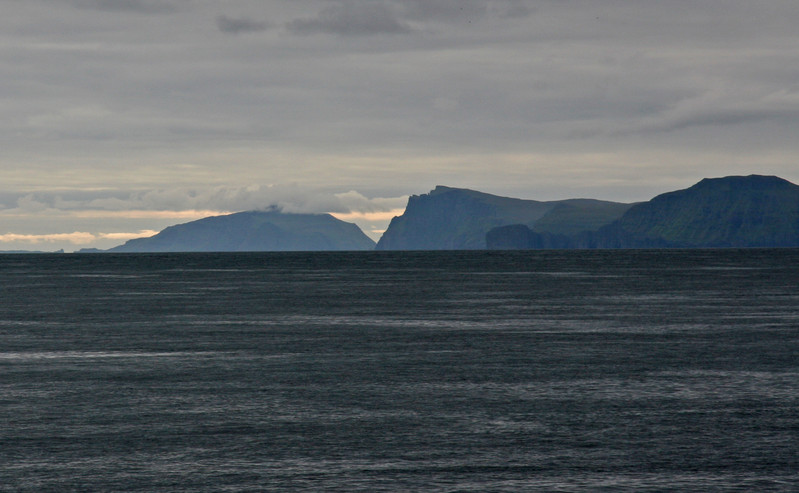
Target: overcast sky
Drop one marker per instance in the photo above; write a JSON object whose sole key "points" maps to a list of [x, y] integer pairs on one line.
{"points": [[121, 117]]}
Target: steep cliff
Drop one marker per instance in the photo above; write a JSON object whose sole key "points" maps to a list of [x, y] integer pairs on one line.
{"points": [[458, 219]]}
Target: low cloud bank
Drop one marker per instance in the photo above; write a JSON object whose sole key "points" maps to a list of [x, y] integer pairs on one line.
{"points": [[192, 203]]}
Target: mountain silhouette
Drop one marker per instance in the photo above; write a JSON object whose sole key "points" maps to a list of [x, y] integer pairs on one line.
{"points": [[457, 219], [255, 231], [734, 211]]}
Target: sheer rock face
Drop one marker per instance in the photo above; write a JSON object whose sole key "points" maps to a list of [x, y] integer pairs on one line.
{"points": [[459, 219], [255, 231]]}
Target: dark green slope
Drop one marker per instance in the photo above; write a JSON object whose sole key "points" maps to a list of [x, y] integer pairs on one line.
{"points": [[574, 216], [458, 219], [735, 211], [255, 231]]}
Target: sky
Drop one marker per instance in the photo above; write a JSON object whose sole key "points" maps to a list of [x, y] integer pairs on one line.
{"points": [[122, 117]]}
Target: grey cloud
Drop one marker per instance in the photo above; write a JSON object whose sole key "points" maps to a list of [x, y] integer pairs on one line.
{"points": [[731, 116], [462, 10], [31, 203], [352, 19], [443, 9], [232, 25], [514, 9], [716, 110], [142, 6], [129, 100], [372, 17]]}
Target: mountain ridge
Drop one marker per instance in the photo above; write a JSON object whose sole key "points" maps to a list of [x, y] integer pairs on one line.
{"points": [[449, 218], [734, 211]]}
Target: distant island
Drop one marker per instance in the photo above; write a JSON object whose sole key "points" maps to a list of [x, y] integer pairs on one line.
{"points": [[255, 231], [3, 252], [459, 219], [734, 211]]}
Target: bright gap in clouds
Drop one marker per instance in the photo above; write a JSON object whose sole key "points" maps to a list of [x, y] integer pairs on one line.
{"points": [[74, 238], [373, 224]]}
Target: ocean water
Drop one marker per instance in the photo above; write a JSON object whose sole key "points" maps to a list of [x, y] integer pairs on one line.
{"points": [[667, 370]]}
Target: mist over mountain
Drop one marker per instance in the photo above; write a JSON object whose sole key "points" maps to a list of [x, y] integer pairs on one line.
{"points": [[457, 219], [734, 211], [255, 231]]}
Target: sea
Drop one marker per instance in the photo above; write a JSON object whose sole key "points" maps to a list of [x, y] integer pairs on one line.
{"points": [[462, 371]]}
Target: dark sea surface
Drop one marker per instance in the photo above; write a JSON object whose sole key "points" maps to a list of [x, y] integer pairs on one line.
{"points": [[669, 370]]}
